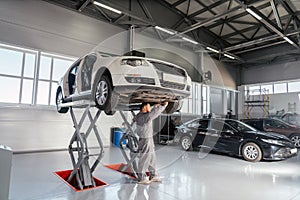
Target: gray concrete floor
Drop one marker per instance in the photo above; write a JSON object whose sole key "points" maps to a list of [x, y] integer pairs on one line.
{"points": [[185, 175]]}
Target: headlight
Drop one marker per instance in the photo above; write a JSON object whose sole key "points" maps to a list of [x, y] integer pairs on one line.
{"points": [[134, 62], [276, 142]]}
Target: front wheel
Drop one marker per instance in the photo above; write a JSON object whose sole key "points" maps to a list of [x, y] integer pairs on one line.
{"points": [[59, 101], [186, 143], [295, 140], [103, 95], [251, 152]]}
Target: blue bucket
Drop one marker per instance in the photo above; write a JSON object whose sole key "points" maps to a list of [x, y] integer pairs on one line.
{"points": [[117, 137]]}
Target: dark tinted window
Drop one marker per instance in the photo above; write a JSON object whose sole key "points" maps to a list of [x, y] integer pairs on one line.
{"points": [[258, 124], [275, 123], [240, 126]]}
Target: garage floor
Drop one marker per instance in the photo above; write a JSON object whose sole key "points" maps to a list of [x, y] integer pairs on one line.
{"points": [[184, 176]]}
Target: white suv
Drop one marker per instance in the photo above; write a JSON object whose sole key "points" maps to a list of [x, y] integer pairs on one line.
{"points": [[110, 81]]}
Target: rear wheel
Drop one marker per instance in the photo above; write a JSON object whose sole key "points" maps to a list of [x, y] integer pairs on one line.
{"points": [[251, 152], [186, 143], [103, 95], [295, 140], [59, 101]]}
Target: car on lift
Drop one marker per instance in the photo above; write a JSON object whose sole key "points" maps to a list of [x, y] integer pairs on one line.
{"points": [[234, 137], [130, 79], [276, 126]]}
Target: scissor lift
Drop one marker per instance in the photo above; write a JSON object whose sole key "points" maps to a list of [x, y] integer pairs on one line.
{"points": [[81, 175]]}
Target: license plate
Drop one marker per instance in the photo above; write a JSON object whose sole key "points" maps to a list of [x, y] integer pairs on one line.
{"points": [[173, 78], [293, 151]]}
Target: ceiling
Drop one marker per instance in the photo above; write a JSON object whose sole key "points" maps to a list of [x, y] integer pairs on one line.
{"points": [[248, 32]]}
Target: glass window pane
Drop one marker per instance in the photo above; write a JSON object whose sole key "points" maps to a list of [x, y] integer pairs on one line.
{"points": [[60, 67], [280, 88], [294, 86], [267, 89], [45, 68], [29, 65], [184, 108], [204, 93], [10, 62], [43, 93], [27, 91], [204, 107], [254, 90], [10, 90]]}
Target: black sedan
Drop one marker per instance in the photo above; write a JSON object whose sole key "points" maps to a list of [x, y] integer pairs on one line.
{"points": [[235, 138]]}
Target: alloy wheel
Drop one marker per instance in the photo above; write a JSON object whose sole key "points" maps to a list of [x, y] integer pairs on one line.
{"points": [[296, 140], [186, 143], [251, 152], [102, 92]]}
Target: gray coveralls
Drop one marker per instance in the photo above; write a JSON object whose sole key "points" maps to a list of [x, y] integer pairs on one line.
{"points": [[147, 158]]}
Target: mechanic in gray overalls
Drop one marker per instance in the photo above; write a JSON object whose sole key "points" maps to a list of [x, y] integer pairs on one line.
{"points": [[147, 158]]}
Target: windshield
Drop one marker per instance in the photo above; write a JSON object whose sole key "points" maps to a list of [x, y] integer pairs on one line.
{"points": [[240, 126]]}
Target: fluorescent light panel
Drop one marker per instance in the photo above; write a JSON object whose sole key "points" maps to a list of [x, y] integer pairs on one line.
{"points": [[213, 50], [107, 7], [253, 14], [288, 40], [229, 56], [189, 40], [164, 30]]}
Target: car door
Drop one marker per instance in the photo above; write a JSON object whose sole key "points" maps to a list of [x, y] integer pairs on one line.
{"points": [[85, 72], [199, 128], [229, 140], [69, 80]]}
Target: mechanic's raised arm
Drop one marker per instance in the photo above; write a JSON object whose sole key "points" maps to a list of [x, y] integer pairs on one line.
{"points": [[157, 110]]}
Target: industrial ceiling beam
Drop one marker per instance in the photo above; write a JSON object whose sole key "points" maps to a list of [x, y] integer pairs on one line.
{"points": [[276, 14], [261, 40], [219, 22], [269, 24], [209, 20], [84, 5]]}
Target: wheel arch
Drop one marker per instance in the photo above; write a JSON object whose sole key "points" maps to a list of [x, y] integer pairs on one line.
{"points": [[103, 71], [248, 141]]}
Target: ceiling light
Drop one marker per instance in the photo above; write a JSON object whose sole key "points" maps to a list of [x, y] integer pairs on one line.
{"points": [[213, 50], [189, 40], [229, 56], [253, 14], [288, 40], [107, 7], [164, 30]]}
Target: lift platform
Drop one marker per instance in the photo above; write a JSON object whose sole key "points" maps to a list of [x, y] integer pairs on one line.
{"points": [[80, 177]]}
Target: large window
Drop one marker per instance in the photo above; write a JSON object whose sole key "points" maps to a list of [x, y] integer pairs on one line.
{"points": [[294, 86], [19, 81], [52, 68]]}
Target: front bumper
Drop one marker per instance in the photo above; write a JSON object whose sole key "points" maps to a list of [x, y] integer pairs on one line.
{"points": [[275, 152]]}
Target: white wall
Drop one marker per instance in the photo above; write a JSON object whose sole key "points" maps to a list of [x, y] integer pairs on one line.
{"points": [[47, 27], [271, 73]]}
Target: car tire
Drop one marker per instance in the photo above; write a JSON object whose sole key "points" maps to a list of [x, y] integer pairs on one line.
{"points": [[295, 138], [103, 95], [251, 152], [173, 107], [186, 142], [59, 100]]}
